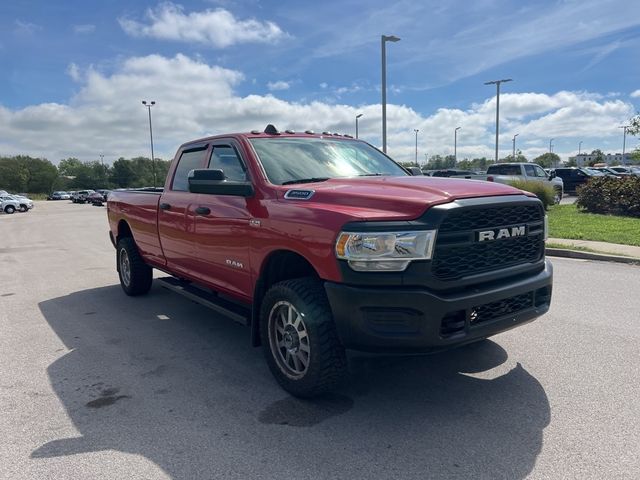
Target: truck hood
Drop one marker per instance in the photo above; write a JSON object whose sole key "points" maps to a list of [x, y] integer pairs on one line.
{"points": [[395, 198]]}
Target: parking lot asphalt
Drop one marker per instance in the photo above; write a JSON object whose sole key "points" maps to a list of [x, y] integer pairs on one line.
{"points": [[95, 384]]}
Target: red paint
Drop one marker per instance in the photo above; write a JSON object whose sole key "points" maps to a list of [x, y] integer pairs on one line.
{"points": [[197, 247]]}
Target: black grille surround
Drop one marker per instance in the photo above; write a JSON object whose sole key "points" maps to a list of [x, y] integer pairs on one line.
{"points": [[458, 254]]}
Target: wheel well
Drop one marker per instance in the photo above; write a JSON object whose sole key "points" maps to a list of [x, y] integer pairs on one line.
{"points": [[279, 266], [123, 230]]}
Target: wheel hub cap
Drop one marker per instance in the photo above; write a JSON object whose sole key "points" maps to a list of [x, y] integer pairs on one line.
{"points": [[289, 339]]}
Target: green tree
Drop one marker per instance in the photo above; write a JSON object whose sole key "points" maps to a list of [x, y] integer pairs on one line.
{"points": [[599, 157], [634, 125], [13, 177], [122, 174], [436, 162], [41, 174], [547, 160], [70, 167], [572, 162], [519, 158]]}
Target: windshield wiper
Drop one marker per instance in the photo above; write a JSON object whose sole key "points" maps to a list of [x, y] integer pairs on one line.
{"points": [[306, 180], [371, 174]]}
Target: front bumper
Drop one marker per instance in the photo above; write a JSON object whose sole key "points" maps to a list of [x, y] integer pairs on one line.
{"points": [[416, 320]]}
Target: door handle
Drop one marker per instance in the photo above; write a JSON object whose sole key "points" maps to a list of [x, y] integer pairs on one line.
{"points": [[203, 211], [165, 206]]}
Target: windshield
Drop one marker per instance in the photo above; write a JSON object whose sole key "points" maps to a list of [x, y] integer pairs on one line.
{"points": [[287, 160]]}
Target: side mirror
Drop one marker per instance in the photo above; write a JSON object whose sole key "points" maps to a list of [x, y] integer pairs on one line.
{"points": [[213, 182], [414, 170], [552, 175]]}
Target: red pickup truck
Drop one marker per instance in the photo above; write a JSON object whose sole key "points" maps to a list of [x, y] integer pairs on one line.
{"points": [[321, 243]]}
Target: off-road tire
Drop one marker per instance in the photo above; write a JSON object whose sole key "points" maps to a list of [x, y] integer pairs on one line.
{"points": [[135, 275], [327, 363], [9, 209]]}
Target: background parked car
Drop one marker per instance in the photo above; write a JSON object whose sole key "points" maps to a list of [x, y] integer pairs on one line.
{"points": [[451, 172], [574, 178], [59, 196], [624, 171], [26, 203], [8, 204], [104, 193], [81, 196], [95, 198]]}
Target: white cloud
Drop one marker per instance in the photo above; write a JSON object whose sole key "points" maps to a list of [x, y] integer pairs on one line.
{"points": [[26, 28], [279, 85], [74, 72], [195, 99], [635, 94], [86, 28], [215, 28]]}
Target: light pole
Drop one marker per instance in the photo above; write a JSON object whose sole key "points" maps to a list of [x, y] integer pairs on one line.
{"points": [[497, 84], [153, 161], [357, 117], [455, 144], [383, 40], [624, 142], [579, 147], [514, 146], [416, 131], [102, 159]]}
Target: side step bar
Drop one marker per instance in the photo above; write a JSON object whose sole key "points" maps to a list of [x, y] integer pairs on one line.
{"points": [[208, 299]]}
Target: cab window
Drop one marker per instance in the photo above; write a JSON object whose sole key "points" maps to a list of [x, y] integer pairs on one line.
{"points": [[225, 158], [189, 160]]}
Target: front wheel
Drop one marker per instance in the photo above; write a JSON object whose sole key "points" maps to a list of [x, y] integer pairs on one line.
{"points": [[135, 275], [299, 338], [9, 209]]}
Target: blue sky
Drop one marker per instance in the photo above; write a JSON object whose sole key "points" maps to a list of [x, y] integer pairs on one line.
{"points": [[74, 73]]}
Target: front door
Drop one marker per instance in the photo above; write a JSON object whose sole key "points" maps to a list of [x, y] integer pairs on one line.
{"points": [[222, 227], [176, 213]]}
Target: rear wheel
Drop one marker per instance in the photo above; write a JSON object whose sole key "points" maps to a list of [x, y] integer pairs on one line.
{"points": [[299, 338], [557, 196], [135, 275], [9, 209]]}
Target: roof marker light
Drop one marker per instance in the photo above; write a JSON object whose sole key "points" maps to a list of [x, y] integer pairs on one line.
{"points": [[271, 130]]}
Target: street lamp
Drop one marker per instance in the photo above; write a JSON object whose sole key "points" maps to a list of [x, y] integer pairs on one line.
{"points": [[416, 130], [455, 144], [357, 117], [579, 147], [153, 161], [383, 40], [551, 145], [497, 84], [514, 146], [624, 141], [102, 159]]}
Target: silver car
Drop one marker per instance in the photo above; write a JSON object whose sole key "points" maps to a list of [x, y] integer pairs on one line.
{"points": [[8, 204]]}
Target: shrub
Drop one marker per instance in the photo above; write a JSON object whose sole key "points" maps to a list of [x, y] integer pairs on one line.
{"points": [[544, 192], [610, 195]]}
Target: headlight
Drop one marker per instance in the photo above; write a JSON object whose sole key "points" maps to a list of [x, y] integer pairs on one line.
{"points": [[384, 251], [546, 228]]}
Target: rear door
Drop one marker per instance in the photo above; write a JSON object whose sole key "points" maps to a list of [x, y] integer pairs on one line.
{"points": [[176, 213], [222, 226]]}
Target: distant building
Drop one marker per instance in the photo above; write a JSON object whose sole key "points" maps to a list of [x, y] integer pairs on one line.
{"points": [[584, 159]]}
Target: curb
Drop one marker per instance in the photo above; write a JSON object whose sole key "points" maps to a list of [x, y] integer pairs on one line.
{"points": [[602, 257]]}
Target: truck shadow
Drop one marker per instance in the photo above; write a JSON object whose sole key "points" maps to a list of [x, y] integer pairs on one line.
{"points": [[158, 377]]}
